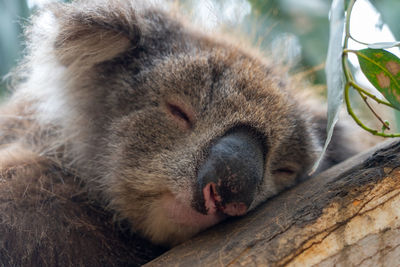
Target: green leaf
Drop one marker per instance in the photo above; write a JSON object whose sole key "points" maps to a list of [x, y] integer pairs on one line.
{"points": [[385, 126], [382, 69], [334, 71], [384, 45]]}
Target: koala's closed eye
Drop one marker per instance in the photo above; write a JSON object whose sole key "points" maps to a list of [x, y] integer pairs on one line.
{"points": [[180, 114], [285, 171]]}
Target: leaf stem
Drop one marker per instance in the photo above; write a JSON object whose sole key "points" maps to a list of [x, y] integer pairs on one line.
{"points": [[350, 51], [365, 99], [357, 120], [357, 41], [365, 92]]}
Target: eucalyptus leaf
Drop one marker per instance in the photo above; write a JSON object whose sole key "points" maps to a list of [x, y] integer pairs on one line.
{"points": [[334, 71], [384, 45], [382, 69]]}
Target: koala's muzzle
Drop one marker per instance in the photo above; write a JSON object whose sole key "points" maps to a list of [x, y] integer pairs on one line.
{"points": [[229, 176]]}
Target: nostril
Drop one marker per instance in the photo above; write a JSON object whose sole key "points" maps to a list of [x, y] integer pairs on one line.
{"points": [[214, 193], [211, 198]]}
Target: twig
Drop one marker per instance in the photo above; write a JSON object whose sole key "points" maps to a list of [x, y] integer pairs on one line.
{"points": [[373, 111]]}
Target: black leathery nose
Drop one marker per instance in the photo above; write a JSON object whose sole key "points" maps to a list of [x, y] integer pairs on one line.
{"points": [[235, 164]]}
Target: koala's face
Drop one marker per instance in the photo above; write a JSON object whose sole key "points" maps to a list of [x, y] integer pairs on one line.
{"points": [[197, 138], [180, 131]]}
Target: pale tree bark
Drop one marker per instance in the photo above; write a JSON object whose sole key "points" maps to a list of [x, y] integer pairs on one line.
{"points": [[347, 216]]}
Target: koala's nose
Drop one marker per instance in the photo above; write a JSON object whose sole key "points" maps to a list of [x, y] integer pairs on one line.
{"points": [[230, 174]]}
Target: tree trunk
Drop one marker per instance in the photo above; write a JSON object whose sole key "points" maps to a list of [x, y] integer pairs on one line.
{"points": [[346, 216]]}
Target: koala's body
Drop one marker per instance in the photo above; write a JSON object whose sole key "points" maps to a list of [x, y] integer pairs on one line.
{"points": [[124, 114]]}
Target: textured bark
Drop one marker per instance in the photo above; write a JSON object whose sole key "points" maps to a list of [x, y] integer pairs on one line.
{"points": [[346, 216]]}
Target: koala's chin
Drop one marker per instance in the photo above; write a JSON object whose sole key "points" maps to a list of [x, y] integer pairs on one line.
{"points": [[171, 222]]}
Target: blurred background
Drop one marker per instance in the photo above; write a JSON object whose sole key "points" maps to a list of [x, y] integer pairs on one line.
{"points": [[297, 29]]}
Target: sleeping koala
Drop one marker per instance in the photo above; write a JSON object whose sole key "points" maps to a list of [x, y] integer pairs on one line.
{"points": [[122, 113]]}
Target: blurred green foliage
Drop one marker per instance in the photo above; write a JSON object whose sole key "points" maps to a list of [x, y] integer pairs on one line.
{"points": [[298, 29], [390, 14], [12, 16], [308, 21]]}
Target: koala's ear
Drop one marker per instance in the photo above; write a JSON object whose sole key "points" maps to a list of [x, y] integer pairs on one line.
{"points": [[94, 33]]}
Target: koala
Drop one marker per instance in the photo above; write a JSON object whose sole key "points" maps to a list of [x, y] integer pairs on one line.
{"points": [[125, 114]]}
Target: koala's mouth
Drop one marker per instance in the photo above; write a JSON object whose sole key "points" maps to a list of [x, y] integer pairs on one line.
{"points": [[185, 215]]}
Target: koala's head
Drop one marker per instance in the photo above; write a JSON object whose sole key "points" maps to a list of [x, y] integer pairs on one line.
{"points": [[177, 130]]}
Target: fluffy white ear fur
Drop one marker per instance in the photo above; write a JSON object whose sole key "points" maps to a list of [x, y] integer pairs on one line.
{"points": [[63, 44], [44, 83]]}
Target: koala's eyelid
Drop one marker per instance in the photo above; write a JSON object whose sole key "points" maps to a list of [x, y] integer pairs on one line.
{"points": [[289, 169], [285, 170], [177, 111], [181, 113]]}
